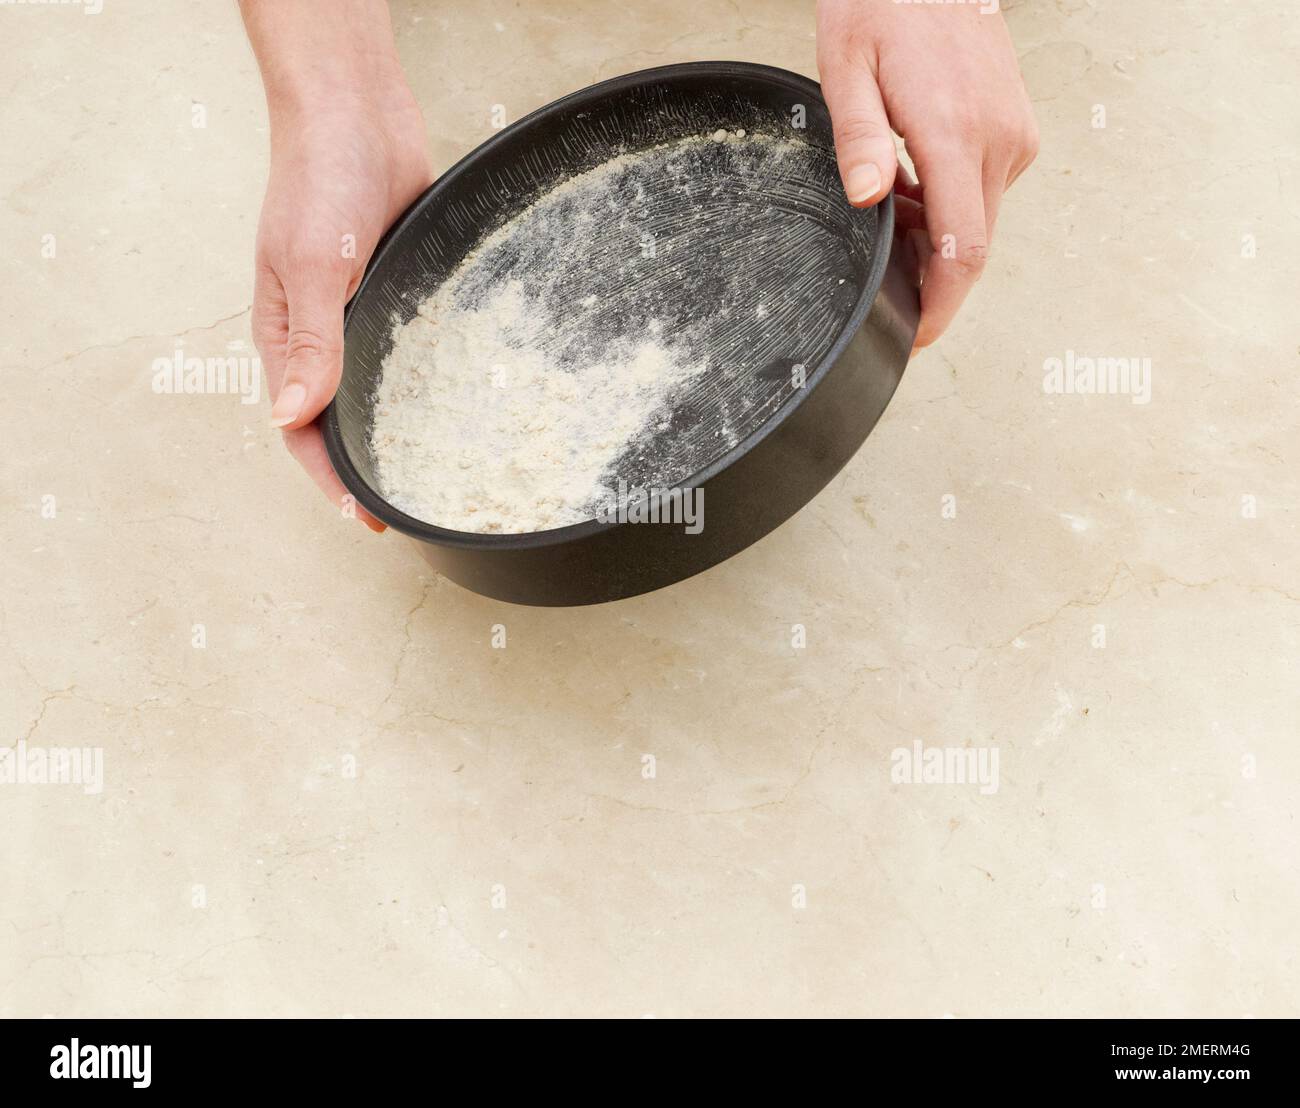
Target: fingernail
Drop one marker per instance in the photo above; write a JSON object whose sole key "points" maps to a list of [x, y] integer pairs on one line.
{"points": [[863, 183], [288, 405], [374, 525]]}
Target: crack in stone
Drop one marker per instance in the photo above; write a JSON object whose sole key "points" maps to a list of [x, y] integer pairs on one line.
{"points": [[130, 339]]}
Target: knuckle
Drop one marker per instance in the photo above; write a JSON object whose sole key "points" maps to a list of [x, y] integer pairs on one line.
{"points": [[828, 55], [1016, 134], [1013, 131], [959, 122], [305, 343], [837, 29], [972, 256], [300, 255], [1029, 139], [857, 125]]}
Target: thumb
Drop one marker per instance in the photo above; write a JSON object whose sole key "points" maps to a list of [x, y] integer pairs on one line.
{"points": [[313, 354], [864, 143]]}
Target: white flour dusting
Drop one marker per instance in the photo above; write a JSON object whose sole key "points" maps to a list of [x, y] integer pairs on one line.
{"points": [[615, 329], [497, 413], [477, 431]]}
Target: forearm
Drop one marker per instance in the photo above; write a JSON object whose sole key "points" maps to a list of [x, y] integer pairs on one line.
{"points": [[314, 53]]}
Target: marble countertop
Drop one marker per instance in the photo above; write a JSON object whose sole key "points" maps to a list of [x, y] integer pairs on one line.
{"points": [[325, 790]]}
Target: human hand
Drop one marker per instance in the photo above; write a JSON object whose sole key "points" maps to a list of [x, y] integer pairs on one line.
{"points": [[348, 156], [945, 77]]}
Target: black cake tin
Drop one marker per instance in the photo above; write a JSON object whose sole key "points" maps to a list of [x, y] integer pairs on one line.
{"points": [[748, 490]]}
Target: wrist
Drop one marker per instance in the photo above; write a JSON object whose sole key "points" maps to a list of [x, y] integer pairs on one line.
{"points": [[320, 56], [368, 86]]}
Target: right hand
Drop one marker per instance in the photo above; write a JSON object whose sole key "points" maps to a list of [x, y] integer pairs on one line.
{"points": [[945, 77]]}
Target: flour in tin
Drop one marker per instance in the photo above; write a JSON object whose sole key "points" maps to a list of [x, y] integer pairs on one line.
{"points": [[505, 402]]}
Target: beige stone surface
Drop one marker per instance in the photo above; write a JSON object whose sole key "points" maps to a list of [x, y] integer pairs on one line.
{"points": [[347, 801]]}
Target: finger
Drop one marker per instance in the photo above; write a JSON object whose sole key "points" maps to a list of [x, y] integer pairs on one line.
{"points": [[959, 234], [921, 245], [313, 352], [307, 445], [905, 186], [864, 142], [270, 324], [994, 185], [1017, 170], [1028, 151], [908, 214]]}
